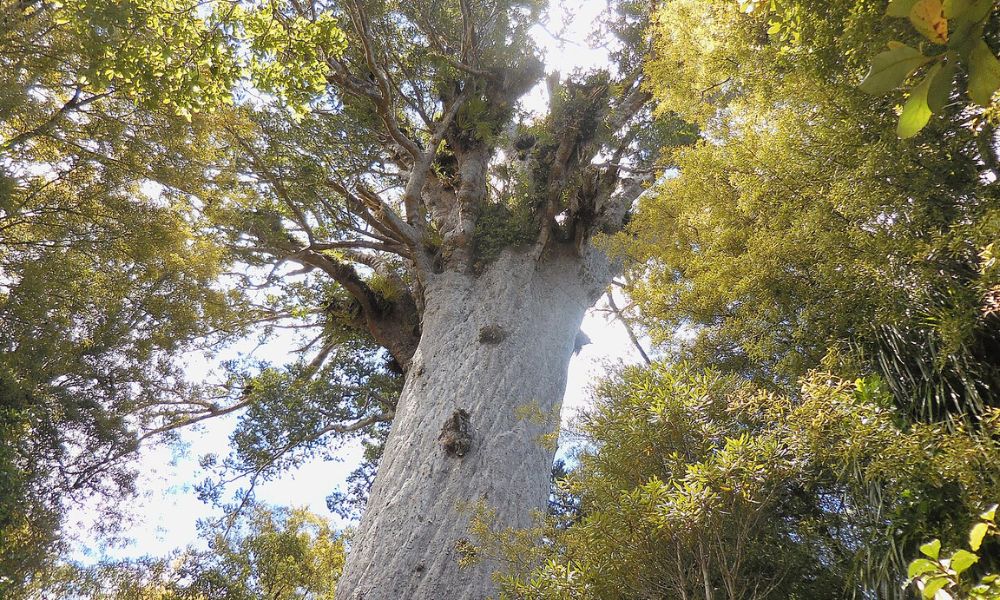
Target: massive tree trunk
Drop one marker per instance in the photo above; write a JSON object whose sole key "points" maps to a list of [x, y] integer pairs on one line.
{"points": [[476, 423]]}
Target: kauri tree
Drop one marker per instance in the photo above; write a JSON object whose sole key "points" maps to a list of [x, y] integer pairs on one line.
{"points": [[379, 147], [438, 221]]}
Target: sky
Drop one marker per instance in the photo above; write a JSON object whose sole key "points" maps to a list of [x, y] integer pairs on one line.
{"points": [[165, 515]]}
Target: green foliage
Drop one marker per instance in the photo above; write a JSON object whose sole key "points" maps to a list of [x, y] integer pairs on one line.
{"points": [[480, 120], [298, 412], [154, 51], [116, 129], [180, 55], [28, 519], [270, 554], [350, 503], [801, 224], [956, 30], [280, 555], [575, 123], [287, 54], [140, 579], [947, 578], [799, 232], [101, 294], [696, 481], [501, 225], [108, 273]]}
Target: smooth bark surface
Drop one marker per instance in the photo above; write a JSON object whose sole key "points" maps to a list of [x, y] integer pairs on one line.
{"points": [[496, 346]]}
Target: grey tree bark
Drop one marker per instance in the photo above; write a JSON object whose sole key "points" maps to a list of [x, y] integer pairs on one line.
{"points": [[476, 422]]}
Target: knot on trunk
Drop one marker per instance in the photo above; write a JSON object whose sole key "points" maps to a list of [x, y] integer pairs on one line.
{"points": [[456, 435], [492, 334]]}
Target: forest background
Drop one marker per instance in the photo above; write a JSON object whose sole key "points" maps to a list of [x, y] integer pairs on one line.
{"points": [[826, 244]]}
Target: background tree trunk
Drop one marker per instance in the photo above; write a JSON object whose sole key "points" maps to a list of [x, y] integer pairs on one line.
{"points": [[496, 346]]}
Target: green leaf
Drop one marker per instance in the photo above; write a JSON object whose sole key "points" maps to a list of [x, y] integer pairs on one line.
{"points": [[990, 514], [962, 560], [931, 549], [961, 32], [977, 534], [932, 586], [916, 112], [891, 68], [920, 566], [984, 73], [978, 10], [941, 87], [954, 9], [968, 26], [927, 16], [900, 8]]}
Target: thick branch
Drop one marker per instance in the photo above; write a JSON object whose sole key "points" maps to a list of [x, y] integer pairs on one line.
{"points": [[468, 32], [373, 219], [630, 106], [611, 216], [394, 325], [388, 216], [412, 196]]}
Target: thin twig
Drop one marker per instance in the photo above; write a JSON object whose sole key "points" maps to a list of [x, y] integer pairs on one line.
{"points": [[628, 328]]}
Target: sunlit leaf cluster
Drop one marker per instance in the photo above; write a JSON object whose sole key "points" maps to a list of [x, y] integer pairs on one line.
{"points": [[956, 30], [696, 481], [800, 223], [946, 577]]}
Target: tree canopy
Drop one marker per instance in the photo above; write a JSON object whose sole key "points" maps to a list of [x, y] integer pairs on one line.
{"points": [[110, 273], [801, 223], [697, 484], [273, 553]]}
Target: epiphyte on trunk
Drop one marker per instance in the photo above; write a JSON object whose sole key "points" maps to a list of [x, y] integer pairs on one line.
{"points": [[456, 435]]}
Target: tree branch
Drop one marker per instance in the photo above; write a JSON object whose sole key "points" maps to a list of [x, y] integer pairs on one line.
{"points": [[468, 32], [210, 414], [361, 209], [628, 328], [383, 98], [412, 195], [72, 104]]}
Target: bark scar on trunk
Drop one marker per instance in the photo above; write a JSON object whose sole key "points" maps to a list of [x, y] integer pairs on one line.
{"points": [[492, 334], [456, 437]]}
